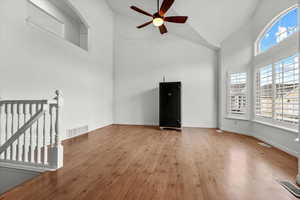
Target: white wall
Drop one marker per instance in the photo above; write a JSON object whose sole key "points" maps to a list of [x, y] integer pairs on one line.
{"points": [[143, 57], [34, 63], [237, 54]]}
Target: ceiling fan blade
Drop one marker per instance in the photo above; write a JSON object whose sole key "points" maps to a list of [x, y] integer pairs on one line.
{"points": [[166, 5], [143, 25], [140, 11], [163, 29], [176, 19]]}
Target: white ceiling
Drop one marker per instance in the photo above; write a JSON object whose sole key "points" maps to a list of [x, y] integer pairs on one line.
{"points": [[214, 20]]}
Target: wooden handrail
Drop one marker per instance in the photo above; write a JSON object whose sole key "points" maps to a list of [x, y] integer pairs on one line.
{"points": [[22, 130]]}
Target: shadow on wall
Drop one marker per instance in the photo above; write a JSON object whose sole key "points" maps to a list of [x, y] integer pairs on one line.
{"points": [[150, 106]]}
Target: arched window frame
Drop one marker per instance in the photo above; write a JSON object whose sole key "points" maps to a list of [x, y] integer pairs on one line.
{"points": [[269, 26], [277, 53]]}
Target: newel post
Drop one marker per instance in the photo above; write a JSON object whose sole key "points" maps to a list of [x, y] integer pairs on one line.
{"points": [[57, 150]]}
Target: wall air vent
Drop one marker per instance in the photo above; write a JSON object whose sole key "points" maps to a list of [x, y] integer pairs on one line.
{"points": [[77, 131]]}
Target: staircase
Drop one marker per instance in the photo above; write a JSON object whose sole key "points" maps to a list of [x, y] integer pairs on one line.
{"points": [[30, 134]]}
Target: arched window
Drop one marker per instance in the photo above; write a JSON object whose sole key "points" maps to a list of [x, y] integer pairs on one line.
{"points": [[277, 73], [283, 26]]}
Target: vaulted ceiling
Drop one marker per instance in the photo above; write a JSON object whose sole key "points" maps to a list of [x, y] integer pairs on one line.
{"points": [[213, 20]]}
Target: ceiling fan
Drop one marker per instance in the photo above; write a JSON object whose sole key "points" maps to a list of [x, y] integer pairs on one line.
{"points": [[159, 17]]}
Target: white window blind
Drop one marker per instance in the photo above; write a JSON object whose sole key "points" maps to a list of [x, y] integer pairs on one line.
{"points": [[237, 94], [277, 92], [264, 92], [287, 91]]}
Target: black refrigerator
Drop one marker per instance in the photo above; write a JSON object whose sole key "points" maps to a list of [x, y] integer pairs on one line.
{"points": [[170, 105]]}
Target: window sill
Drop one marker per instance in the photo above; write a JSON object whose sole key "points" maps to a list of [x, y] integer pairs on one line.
{"points": [[277, 126], [230, 117]]}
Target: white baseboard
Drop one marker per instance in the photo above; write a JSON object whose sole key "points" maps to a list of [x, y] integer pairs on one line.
{"points": [[90, 130], [199, 125], [136, 124], [279, 146], [103, 125], [185, 124], [236, 132], [265, 140]]}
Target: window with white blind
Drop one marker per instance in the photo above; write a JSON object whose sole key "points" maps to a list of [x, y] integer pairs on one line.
{"points": [[277, 92], [237, 94], [264, 92]]}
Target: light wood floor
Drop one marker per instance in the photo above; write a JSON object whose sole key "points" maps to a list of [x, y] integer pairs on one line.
{"points": [[143, 163]]}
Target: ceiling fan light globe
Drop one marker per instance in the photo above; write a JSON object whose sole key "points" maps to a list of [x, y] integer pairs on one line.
{"points": [[158, 21]]}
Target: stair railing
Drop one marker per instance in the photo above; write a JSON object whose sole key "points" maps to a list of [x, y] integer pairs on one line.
{"points": [[30, 134]]}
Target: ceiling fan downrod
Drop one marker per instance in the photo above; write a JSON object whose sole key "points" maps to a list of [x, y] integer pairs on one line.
{"points": [[157, 6]]}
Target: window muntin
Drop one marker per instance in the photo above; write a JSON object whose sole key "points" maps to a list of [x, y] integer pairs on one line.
{"points": [[277, 92], [264, 92], [287, 90], [285, 26], [237, 94]]}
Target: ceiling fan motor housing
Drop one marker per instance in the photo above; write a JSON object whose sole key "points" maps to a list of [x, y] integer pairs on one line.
{"points": [[157, 15]]}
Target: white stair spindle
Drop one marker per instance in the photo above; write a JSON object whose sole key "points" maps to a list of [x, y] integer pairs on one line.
{"points": [[45, 149], [18, 153], [25, 149], [6, 128], [31, 149], [12, 115], [38, 152]]}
